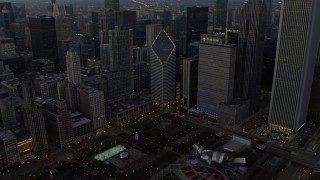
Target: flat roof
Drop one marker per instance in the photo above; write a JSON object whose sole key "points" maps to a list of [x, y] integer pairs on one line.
{"points": [[80, 122], [110, 153]]}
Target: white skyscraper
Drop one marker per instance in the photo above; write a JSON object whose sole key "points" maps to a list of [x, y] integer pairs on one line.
{"points": [[73, 67], [91, 104], [297, 50], [163, 68]]}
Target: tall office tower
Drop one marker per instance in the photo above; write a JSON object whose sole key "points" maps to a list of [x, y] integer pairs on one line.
{"points": [[112, 4], [95, 23], [85, 46], [140, 32], [197, 23], [141, 68], [73, 66], [58, 122], [220, 12], [120, 42], [190, 82], [119, 78], [233, 18], [34, 120], [250, 52], [107, 22], [66, 45], [152, 31], [216, 73], [8, 144], [44, 39], [91, 105], [10, 111], [163, 69], [295, 62]]}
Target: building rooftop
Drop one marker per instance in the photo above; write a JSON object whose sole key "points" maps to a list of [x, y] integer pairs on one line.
{"points": [[129, 105], [43, 61], [79, 122], [12, 82]]}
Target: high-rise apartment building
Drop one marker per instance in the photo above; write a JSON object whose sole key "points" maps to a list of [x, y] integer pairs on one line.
{"points": [[44, 39], [163, 68], [216, 73], [73, 66], [91, 104], [297, 53], [250, 52]]}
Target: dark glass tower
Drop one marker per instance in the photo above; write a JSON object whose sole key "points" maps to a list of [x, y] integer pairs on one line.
{"points": [[220, 15], [44, 39], [112, 4], [250, 51], [197, 23]]}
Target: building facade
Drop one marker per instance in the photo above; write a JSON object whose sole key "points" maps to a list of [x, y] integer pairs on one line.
{"points": [[216, 73], [190, 82], [250, 52], [91, 104], [295, 63], [163, 69]]}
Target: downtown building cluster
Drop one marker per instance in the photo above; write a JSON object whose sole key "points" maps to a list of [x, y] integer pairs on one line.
{"points": [[65, 76]]}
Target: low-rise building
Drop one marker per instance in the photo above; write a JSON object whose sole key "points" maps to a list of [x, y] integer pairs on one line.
{"points": [[123, 113], [233, 113]]}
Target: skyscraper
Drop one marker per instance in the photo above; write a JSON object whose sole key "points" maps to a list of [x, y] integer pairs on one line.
{"points": [[120, 41], [297, 51], [44, 39], [73, 66], [220, 15], [152, 31], [250, 52], [163, 68], [190, 82], [91, 104], [119, 63], [34, 120], [197, 23], [58, 122], [112, 4], [216, 73]]}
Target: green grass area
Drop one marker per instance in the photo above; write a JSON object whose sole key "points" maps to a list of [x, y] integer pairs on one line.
{"points": [[110, 153]]}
